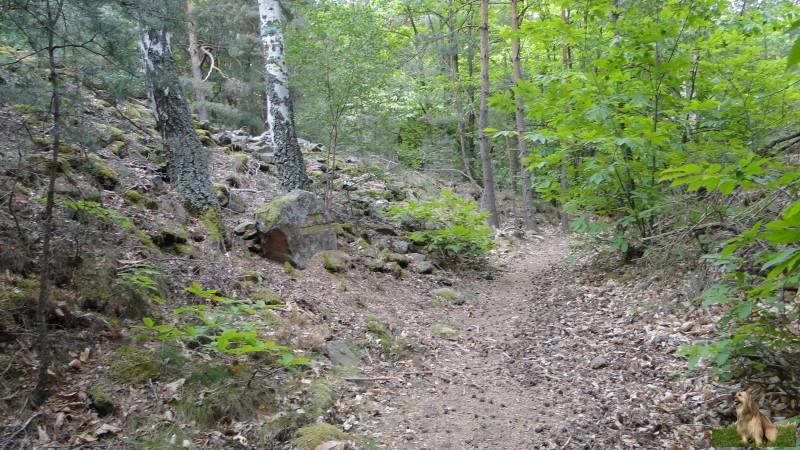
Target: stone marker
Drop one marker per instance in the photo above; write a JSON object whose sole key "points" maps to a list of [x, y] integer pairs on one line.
{"points": [[294, 227]]}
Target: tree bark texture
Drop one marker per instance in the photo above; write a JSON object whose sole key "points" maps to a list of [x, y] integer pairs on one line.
{"points": [[489, 201], [188, 160], [280, 111], [54, 15], [527, 192], [566, 62], [196, 62]]}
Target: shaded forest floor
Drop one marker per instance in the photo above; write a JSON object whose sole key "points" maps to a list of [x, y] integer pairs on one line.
{"points": [[552, 355]]}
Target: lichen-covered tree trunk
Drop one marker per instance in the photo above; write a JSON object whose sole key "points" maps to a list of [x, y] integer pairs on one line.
{"points": [[489, 201], [280, 112], [187, 159]]}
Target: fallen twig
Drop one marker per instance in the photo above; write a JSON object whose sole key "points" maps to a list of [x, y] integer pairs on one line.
{"points": [[22, 428]]}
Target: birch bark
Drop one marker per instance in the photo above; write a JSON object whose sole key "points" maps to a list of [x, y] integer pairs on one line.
{"points": [[280, 111]]}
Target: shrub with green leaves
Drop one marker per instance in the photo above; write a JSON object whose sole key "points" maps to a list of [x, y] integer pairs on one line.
{"points": [[449, 227], [219, 326], [758, 292]]}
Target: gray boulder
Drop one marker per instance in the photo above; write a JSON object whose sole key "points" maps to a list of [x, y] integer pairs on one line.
{"points": [[293, 228]]}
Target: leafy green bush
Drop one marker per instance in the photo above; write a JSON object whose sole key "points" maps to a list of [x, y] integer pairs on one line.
{"points": [[449, 227], [761, 267], [219, 326]]}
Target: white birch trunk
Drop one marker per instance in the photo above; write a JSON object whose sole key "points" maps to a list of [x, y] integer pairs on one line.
{"points": [[280, 114]]}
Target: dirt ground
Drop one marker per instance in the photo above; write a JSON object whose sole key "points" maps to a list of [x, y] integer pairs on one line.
{"points": [[547, 355]]}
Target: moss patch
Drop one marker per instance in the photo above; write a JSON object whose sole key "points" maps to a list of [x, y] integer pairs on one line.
{"points": [[132, 197], [133, 365], [313, 435], [289, 269], [102, 172], [101, 401], [267, 295], [213, 223], [108, 134]]}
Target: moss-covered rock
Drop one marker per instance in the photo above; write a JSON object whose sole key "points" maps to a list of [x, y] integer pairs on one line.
{"points": [[213, 223], [240, 162], [205, 137], [133, 365], [101, 401], [102, 172], [315, 434], [267, 295], [132, 197], [335, 261], [108, 134], [450, 295], [289, 269], [117, 148]]}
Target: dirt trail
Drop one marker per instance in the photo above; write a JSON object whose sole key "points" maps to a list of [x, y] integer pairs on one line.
{"points": [[539, 361]]}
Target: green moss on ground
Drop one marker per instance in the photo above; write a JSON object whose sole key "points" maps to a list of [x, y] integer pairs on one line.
{"points": [[108, 134], [132, 197], [318, 433], [102, 172], [134, 365], [101, 401]]}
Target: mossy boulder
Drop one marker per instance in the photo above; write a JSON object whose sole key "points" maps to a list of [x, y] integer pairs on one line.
{"points": [[293, 228], [102, 172], [133, 365], [267, 295], [335, 261], [312, 436], [450, 295], [108, 134], [132, 197], [169, 236], [205, 137], [101, 401]]}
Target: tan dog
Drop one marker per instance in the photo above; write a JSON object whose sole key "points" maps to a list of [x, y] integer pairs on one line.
{"points": [[751, 423]]}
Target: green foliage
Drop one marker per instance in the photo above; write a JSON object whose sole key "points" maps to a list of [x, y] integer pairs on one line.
{"points": [[663, 86], [343, 53], [94, 209], [762, 268], [218, 326], [145, 280], [449, 226]]}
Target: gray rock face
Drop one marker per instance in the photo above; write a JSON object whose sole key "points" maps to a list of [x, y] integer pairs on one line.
{"points": [[293, 228], [340, 354]]}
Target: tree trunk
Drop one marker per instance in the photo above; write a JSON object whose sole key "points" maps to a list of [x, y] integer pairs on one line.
{"points": [[196, 62], [458, 101], [44, 350], [280, 111], [566, 61], [527, 192], [187, 159], [489, 202]]}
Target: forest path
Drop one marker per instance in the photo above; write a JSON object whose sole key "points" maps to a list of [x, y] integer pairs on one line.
{"points": [[545, 357]]}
